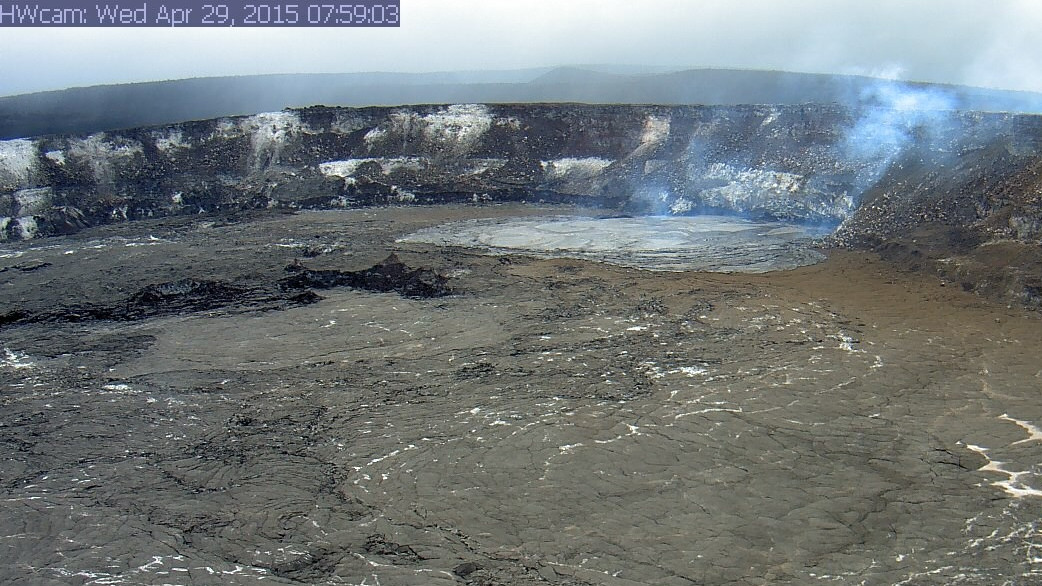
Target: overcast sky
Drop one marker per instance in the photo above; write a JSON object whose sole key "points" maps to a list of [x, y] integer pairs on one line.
{"points": [[993, 43]]}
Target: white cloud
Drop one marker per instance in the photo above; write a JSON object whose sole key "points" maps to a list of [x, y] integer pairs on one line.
{"points": [[1012, 55], [955, 41]]}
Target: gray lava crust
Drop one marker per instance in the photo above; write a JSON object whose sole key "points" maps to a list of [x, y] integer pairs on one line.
{"points": [[560, 422]]}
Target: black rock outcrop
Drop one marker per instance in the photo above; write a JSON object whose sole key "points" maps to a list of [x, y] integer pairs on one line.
{"points": [[390, 274]]}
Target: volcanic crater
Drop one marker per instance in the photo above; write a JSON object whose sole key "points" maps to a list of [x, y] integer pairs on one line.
{"points": [[525, 344]]}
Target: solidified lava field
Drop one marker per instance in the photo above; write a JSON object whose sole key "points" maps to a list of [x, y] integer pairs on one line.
{"points": [[276, 399]]}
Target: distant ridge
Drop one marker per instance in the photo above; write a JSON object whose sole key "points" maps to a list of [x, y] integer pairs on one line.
{"points": [[112, 107]]}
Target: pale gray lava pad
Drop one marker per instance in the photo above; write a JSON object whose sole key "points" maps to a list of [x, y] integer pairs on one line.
{"points": [[670, 243]]}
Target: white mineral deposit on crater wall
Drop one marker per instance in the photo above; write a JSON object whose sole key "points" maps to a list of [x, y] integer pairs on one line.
{"points": [[462, 124], [571, 168], [27, 227], [743, 184], [16, 159], [375, 135], [33, 201], [656, 130], [770, 117], [268, 134], [55, 156], [103, 153], [705, 243], [455, 129], [348, 167], [170, 140], [655, 133]]}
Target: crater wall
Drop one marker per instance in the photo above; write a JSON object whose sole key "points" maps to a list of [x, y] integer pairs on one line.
{"points": [[813, 163], [880, 174]]}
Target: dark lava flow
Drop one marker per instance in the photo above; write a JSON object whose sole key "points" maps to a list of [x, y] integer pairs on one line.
{"points": [[189, 295]]}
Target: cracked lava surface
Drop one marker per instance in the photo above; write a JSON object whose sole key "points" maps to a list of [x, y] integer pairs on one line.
{"points": [[553, 421]]}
